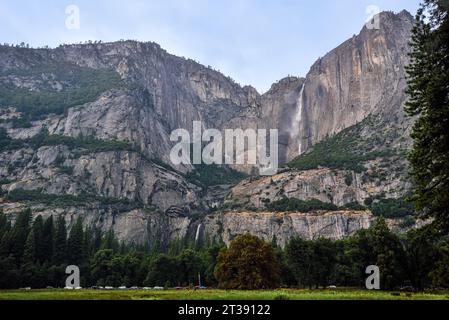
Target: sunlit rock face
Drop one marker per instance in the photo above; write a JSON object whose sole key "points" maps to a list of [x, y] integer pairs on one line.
{"points": [[364, 75]]}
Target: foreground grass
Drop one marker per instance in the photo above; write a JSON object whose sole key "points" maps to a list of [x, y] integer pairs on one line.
{"points": [[217, 295]]}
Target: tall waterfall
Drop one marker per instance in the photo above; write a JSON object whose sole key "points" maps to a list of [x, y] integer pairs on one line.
{"points": [[297, 119]]}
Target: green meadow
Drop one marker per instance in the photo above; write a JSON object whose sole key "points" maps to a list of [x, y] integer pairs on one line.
{"points": [[282, 294]]}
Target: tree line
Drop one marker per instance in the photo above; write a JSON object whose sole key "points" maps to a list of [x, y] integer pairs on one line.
{"points": [[35, 253]]}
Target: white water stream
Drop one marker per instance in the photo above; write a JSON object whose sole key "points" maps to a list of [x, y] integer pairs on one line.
{"points": [[297, 119]]}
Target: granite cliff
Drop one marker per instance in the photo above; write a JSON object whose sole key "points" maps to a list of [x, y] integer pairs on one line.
{"points": [[84, 130]]}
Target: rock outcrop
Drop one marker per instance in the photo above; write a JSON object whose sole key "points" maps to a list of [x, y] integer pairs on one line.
{"points": [[339, 187]]}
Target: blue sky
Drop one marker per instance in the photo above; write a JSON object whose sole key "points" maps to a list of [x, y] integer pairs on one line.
{"points": [[256, 42]]}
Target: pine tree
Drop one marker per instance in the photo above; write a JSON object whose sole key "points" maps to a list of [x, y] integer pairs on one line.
{"points": [[9, 275], [96, 241], [3, 223], [75, 243], [390, 256], [60, 242], [19, 234], [110, 241], [38, 229], [47, 240], [27, 267], [5, 234], [88, 243], [5, 244], [440, 274], [421, 255], [29, 254], [428, 89], [300, 257]]}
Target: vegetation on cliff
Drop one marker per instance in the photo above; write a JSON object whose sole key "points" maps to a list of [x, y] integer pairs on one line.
{"points": [[213, 175], [347, 150], [55, 87], [293, 204], [84, 144]]}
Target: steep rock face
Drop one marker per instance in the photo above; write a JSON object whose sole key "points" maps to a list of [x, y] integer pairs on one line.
{"points": [[285, 226], [279, 110], [173, 92], [330, 186], [120, 115], [183, 90], [363, 76], [117, 175]]}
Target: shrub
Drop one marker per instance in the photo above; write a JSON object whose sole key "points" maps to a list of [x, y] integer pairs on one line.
{"points": [[213, 175], [293, 204], [64, 199], [85, 144], [349, 179], [66, 170], [355, 206], [392, 208]]}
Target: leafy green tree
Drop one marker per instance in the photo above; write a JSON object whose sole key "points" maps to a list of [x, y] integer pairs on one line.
{"points": [[210, 256], [248, 263], [60, 242], [101, 267], [325, 259], [163, 270], [131, 269], [190, 265], [313, 262], [286, 274], [428, 88], [348, 269]]}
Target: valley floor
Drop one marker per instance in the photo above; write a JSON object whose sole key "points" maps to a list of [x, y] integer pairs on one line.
{"points": [[340, 294]]}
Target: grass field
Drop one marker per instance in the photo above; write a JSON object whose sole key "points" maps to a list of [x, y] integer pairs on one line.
{"points": [[340, 294]]}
